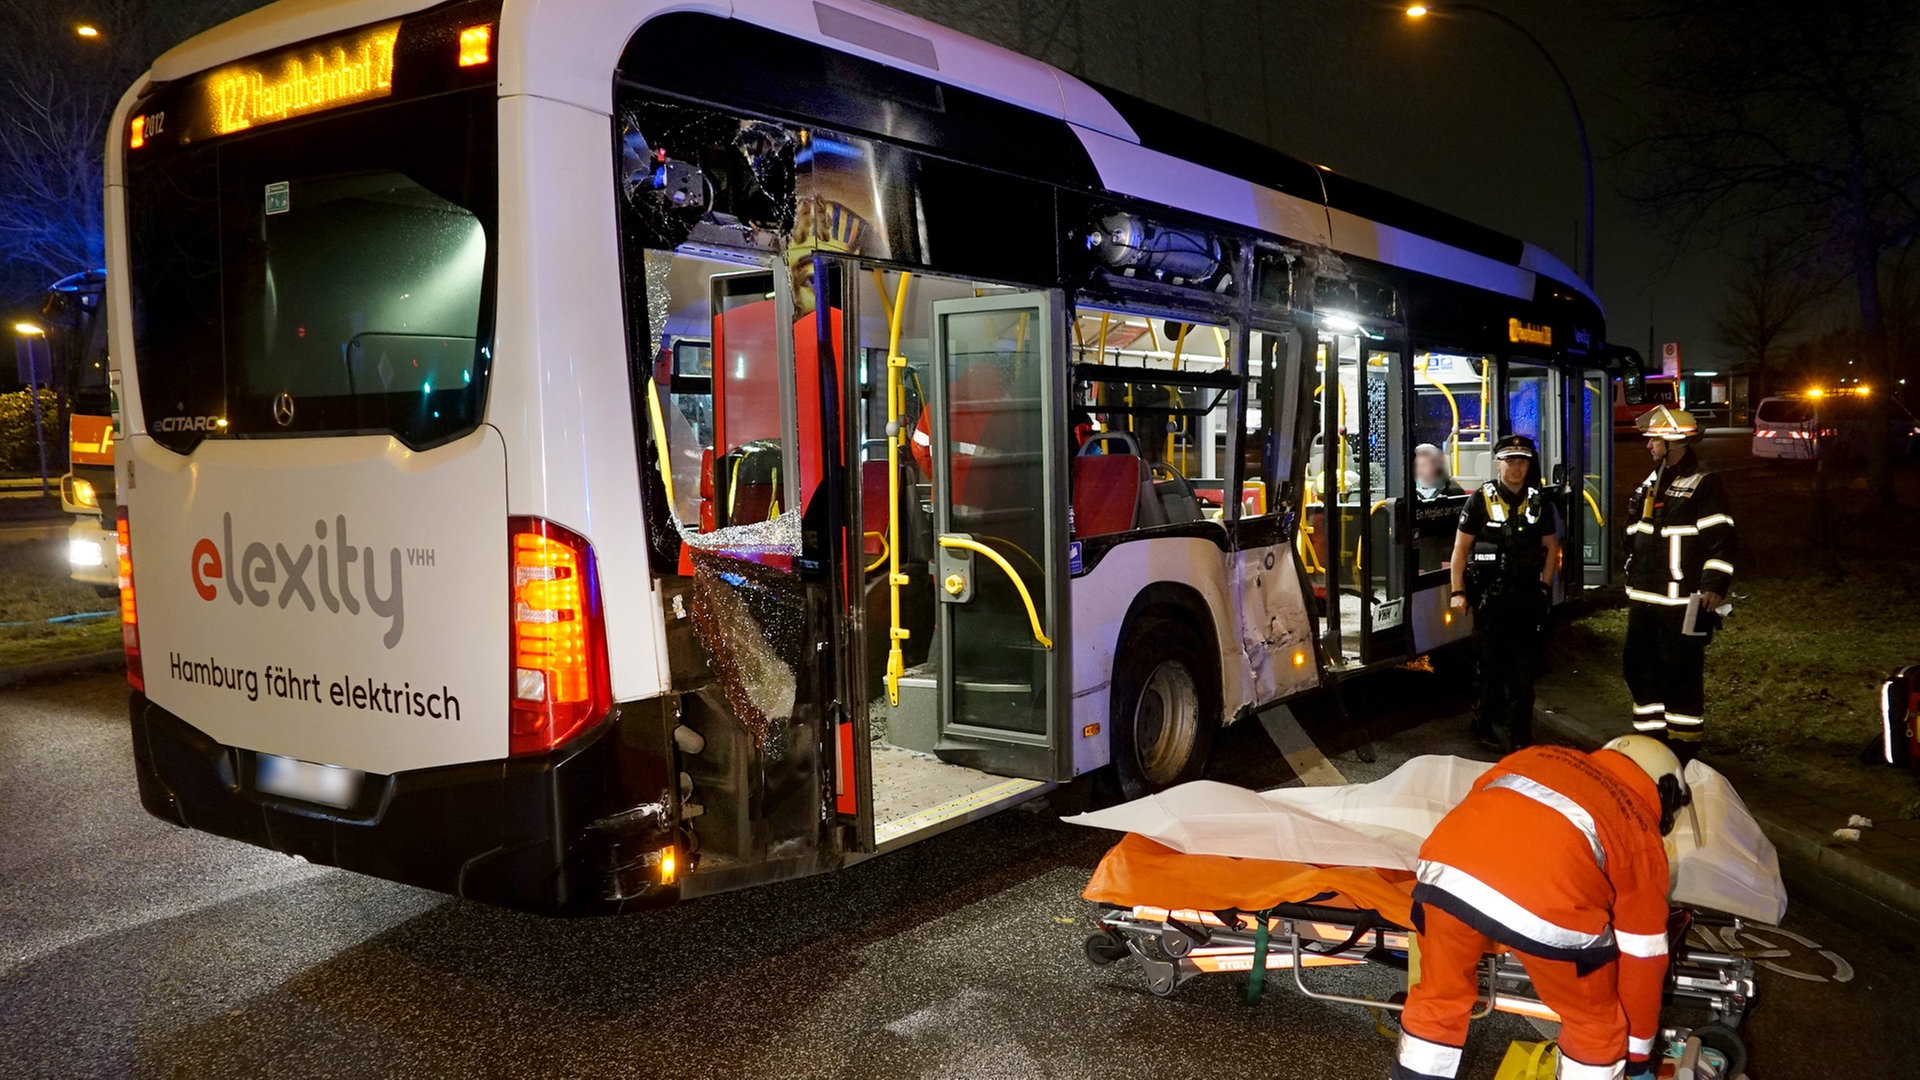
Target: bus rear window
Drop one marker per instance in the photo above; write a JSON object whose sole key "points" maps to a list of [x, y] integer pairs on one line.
{"points": [[330, 277]]}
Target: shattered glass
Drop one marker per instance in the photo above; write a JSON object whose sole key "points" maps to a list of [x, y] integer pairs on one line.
{"points": [[697, 175], [752, 619]]}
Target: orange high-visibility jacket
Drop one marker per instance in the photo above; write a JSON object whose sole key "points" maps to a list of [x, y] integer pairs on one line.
{"points": [[1558, 853]]}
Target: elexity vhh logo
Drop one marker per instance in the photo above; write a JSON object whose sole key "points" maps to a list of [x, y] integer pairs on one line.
{"points": [[259, 567]]}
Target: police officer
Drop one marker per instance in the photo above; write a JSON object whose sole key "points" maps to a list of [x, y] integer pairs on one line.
{"points": [[1504, 557], [1680, 551]]}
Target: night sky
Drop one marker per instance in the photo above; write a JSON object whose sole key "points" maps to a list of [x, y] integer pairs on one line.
{"points": [[1459, 113]]}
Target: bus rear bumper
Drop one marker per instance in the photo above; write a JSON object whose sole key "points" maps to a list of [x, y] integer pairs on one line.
{"points": [[520, 832]]}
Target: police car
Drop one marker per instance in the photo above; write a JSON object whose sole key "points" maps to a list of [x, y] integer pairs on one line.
{"points": [[1826, 423]]}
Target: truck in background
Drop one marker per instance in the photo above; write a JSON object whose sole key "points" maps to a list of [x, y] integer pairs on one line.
{"points": [[74, 317]]}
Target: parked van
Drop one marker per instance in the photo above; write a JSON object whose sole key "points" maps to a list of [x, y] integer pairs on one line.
{"points": [[1825, 423]]}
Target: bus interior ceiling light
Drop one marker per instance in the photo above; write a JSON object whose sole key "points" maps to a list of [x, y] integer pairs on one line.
{"points": [[1340, 323]]}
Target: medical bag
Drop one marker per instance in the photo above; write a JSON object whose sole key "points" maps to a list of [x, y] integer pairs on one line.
{"points": [[1900, 718]]}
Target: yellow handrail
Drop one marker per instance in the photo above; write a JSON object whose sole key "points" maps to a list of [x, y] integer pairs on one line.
{"points": [[896, 407], [1598, 518], [978, 548], [1451, 404], [1360, 542], [660, 440], [875, 564]]}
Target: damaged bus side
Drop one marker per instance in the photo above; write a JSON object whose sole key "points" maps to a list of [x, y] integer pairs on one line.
{"points": [[800, 430]]}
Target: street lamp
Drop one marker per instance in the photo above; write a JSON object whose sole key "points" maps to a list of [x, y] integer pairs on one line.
{"points": [[87, 30], [1418, 11], [35, 368]]}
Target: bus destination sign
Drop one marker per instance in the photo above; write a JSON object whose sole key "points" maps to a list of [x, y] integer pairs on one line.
{"points": [[295, 82]]}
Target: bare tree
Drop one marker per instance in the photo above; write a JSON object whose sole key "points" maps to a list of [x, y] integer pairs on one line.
{"points": [[57, 94], [1769, 300], [1798, 118]]}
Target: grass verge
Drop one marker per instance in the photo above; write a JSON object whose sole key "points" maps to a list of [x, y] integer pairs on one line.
{"points": [[34, 587], [1823, 612]]}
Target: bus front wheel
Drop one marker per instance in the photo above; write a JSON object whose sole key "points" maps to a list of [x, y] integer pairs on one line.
{"points": [[1165, 708]]}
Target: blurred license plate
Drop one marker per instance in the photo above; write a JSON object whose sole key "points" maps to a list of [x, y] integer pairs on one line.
{"points": [[292, 778]]}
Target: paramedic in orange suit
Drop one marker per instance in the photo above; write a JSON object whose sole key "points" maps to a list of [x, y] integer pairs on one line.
{"points": [[1559, 856]]}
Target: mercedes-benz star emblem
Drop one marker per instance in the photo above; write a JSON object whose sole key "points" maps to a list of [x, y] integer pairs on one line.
{"points": [[283, 408]]}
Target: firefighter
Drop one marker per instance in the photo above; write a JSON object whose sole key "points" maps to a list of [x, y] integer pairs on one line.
{"points": [[1505, 553], [1680, 545], [1557, 855]]}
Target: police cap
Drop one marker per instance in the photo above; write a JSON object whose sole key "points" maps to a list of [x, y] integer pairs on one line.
{"points": [[1513, 446]]}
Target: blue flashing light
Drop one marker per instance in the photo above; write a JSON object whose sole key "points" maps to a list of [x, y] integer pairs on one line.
{"points": [[466, 376], [427, 387]]}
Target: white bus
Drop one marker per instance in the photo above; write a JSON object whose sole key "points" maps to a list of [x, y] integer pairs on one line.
{"points": [[582, 455]]}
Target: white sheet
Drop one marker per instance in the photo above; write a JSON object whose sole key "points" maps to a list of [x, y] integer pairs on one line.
{"points": [[1383, 824]]}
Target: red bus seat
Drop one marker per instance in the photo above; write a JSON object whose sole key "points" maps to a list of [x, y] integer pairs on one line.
{"points": [[1106, 493]]}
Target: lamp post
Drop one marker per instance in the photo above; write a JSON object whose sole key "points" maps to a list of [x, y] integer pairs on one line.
{"points": [[1418, 11], [35, 369]]}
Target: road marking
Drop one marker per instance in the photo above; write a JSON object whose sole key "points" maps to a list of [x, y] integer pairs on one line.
{"points": [[1758, 948], [1309, 764]]}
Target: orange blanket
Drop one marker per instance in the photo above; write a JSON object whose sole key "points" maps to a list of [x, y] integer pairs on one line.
{"points": [[1139, 871]]}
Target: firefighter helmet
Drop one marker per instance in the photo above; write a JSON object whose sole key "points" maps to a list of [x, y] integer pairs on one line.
{"points": [[1658, 762], [1663, 422]]}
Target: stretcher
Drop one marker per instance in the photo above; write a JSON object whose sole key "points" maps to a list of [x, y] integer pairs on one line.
{"points": [[1261, 917], [1212, 879]]}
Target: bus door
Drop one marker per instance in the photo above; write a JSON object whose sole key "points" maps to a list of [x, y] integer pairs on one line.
{"points": [[1590, 515], [1535, 406], [997, 517], [957, 597], [1361, 484]]}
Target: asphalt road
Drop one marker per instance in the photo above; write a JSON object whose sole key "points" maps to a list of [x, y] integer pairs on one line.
{"points": [[129, 947]]}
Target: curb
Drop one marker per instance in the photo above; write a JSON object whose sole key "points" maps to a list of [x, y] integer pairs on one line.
{"points": [[70, 665], [1798, 843]]}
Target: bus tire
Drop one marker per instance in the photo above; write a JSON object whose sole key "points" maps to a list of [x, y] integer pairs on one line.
{"points": [[1165, 708]]}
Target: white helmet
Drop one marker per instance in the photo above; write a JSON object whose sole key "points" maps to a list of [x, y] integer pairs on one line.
{"points": [[1658, 762], [1665, 422]]}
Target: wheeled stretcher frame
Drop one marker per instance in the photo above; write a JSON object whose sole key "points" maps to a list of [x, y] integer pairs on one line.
{"points": [[1174, 946]]}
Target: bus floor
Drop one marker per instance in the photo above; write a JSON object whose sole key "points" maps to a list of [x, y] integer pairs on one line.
{"points": [[914, 792]]}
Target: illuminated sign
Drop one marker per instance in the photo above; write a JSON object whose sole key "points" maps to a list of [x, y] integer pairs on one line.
{"points": [[305, 80], [1526, 333]]}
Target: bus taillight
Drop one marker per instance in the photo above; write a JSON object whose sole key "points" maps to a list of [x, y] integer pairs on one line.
{"points": [[560, 680], [129, 612]]}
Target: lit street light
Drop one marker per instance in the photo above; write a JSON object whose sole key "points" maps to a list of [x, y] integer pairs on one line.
{"points": [[1417, 11], [36, 369], [87, 30]]}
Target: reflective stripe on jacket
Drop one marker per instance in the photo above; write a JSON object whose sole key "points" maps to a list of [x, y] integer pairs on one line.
{"points": [[1680, 535], [1558, 853]]}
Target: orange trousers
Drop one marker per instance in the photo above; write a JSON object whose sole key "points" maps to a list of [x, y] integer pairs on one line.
{"points": [[1593, 1032]]}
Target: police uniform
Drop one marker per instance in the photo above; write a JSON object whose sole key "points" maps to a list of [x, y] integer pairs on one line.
{"points": [[1680, 541], [1510, 605]]}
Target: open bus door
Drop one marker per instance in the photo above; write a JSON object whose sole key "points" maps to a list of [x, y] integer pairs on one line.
{"points": [[997, 511], [1538, 398], [1360, 479], [959, 592], [1591, 537]]}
